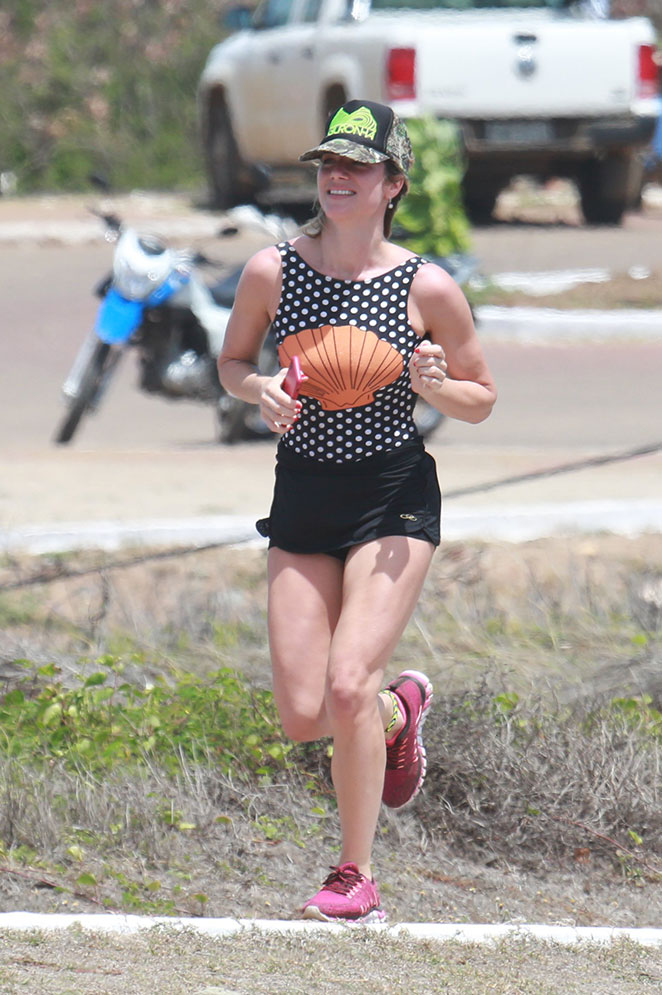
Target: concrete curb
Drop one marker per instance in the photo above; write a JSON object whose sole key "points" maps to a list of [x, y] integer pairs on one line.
{"points": [[521, 522], [531, 325], [111, 535], [510, 523], [90, 232], [439, 932]]}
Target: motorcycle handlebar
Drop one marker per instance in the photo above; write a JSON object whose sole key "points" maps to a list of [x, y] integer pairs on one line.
{"points": [[111, 221], [114, 224], [200, 259]]}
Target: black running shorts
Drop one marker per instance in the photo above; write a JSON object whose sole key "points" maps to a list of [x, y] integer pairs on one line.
{"points": [[320, 508]]}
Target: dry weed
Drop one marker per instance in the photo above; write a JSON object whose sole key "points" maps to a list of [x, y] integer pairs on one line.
{"points": [[538, 806], [534, 787]]}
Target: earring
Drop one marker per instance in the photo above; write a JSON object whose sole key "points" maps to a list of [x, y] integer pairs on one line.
{"points": [[390, 205]]}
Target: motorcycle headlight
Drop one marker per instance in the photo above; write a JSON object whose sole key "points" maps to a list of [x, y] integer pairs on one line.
{"points": [[141, 264]]}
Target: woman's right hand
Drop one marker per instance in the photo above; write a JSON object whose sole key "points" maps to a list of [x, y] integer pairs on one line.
{"points": [[279, 411]]}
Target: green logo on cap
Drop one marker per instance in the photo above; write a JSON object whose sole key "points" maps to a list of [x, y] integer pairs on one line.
{"points": [[360, 122]]}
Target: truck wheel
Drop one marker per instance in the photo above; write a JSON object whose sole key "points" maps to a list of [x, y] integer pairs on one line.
{"points": [[479, 204], [333, 99], [608, 187], [224, 166]]}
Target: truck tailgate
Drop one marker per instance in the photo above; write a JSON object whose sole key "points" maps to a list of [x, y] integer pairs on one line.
{"points": [[527, 66]]}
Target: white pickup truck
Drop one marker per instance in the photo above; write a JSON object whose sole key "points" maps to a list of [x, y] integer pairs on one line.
{"points": [[538, 87]]}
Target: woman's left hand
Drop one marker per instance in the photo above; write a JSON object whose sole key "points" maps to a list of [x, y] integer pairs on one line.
{"points": [[428, 368]]}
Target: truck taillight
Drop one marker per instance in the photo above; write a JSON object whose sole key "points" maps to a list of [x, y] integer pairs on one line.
{"points": [[401, 74], [647, 79]]}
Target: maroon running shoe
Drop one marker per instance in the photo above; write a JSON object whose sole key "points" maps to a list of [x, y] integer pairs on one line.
{"points": [[406, 763], [346, 894]]}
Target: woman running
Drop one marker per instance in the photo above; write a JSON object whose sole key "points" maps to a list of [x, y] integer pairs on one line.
{"points": [[355, 516]]}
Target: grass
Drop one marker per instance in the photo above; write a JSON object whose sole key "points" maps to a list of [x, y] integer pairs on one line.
{"points": [[77, 963], [541, 803]]}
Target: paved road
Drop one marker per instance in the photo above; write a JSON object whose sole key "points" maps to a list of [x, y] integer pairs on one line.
{"points": [[142, 456]]}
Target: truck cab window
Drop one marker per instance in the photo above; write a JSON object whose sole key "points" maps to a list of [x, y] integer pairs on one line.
{"points": [[311, 10], [272, 14]]}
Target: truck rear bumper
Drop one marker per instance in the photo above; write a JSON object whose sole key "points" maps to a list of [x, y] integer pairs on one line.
{"points": [[568, 136], [639, 132]]}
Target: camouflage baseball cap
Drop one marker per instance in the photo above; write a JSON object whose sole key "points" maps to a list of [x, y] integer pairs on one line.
{"points": [[366, 132]]}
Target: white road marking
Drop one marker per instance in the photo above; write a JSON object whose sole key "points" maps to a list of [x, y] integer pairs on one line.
{"points": [[509, 522], [441, 932]]}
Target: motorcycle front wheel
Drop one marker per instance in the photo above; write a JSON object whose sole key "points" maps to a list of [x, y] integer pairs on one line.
{"points": [[90, 385]]}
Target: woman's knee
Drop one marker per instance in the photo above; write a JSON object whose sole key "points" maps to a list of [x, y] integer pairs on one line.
{"points": [[350, 695], [301, 724]]}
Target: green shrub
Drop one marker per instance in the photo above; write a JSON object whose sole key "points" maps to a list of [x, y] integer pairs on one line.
{"points": [[105, 723], [432, 216]]}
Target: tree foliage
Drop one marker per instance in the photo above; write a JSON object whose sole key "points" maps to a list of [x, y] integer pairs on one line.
{"points": [[102, 88]]}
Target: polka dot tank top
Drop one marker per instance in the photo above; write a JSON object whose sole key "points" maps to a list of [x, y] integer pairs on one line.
{"points": [[354, 341]]}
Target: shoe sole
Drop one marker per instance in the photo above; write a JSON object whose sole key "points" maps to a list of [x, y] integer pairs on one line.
{"points": [[426, 684], [314, 912]]}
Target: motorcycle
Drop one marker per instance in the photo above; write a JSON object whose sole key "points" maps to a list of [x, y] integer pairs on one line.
{"points": [[155, 301]]}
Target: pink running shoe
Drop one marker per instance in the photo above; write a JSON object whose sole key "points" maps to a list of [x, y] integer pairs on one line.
{"points": [[346, 894], [406, 763]]}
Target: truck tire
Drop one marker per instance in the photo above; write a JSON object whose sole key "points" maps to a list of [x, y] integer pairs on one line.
{"points": [[479, 204], [608, 187], [334, 98], [227, 186]]}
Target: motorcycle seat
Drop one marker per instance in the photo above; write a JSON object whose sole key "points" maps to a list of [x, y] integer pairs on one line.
{"points": [[223, 292]]}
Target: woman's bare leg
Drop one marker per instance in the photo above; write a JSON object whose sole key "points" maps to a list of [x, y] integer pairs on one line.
{"points": [[305, 597], [381, 584], [332, 630]]}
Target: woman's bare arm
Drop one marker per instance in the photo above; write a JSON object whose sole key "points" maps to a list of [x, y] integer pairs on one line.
{"points": [[449, 371], [254, 308]]}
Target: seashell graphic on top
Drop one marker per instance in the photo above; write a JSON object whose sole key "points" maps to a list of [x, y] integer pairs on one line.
{"points": [[344, 364]]}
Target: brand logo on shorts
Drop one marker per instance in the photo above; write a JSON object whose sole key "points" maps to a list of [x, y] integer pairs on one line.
{"points": [[409, 518]]}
